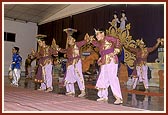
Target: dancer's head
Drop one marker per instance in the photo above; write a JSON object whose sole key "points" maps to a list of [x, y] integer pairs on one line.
{"points": [[100, 34], [41, 39], [71, 40], [140, 43]]}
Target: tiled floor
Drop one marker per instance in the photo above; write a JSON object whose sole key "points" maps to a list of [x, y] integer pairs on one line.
{"points": [[152, 100]]}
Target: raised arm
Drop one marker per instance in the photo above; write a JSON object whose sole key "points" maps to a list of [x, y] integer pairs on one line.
{"points": [[34, 53], [151, 49], [81, 43]]}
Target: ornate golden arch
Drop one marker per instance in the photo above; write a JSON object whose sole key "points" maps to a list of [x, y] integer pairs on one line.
{"points": [[126, 40]]}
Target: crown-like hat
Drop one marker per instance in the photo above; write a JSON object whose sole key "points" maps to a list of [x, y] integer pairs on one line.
{"points": [[99, 31], [70, 31], [139, 42]]}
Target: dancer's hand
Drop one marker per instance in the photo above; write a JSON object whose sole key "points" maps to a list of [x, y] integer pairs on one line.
{"points": [[158, 40], [33, 51], [91, 38], [162, 41], [86, 37]]}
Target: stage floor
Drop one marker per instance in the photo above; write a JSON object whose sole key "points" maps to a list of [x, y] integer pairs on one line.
{"points": [[26, 98]]}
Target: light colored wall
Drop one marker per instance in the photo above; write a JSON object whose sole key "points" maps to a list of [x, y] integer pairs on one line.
{"points": [[25, 40], [72, 10]]}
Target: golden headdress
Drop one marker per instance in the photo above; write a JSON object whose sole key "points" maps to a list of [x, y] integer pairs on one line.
{"points": [[99, 31], [139, 42]]}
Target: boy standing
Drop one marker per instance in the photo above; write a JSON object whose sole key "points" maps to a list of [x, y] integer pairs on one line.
{"points": [[16, 64]]}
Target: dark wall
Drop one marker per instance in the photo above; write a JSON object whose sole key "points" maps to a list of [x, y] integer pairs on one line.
{"points": [[147, 22]]}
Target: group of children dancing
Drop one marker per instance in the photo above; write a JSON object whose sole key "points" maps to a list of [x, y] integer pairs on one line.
{"points": [[109, 48]]}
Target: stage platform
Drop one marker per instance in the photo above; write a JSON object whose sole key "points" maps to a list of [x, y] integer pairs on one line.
{"points": [[27, 100], [20, 99]]}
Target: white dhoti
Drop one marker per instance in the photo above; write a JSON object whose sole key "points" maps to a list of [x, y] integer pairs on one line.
{"points": [[142, 76], [74, 74], [108, 77], [48, 77]]}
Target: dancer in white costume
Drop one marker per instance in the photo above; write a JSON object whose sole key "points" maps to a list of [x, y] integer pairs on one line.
{"points": [[141, 68], [74, 66], [108, 49]]}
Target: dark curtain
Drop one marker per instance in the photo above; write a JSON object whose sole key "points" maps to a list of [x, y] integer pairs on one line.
{"points": [[46, 29], [84, 23], [58, 33]]}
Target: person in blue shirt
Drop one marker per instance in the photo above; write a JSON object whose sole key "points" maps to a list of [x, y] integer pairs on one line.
{"points": [[16, 66]]}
